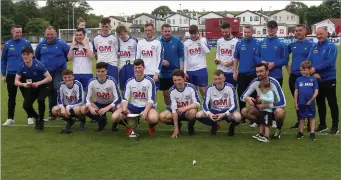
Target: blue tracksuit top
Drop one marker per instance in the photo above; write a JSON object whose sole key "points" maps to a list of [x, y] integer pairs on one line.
{"points": [[273, 50], [11, 55], [300, 51], [53, 55], [245, 53]]}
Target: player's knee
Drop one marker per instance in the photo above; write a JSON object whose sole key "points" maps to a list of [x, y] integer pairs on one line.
{"points": [[77, 110], [116, 116], [55, 110], [236, 116], [84, 110], [191, 114], [244, 112], [200, 114], [153, 117], [280, 114]]}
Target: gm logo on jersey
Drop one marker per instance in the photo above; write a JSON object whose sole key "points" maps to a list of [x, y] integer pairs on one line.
{"points": [[105, 48], [195, 51], [226, 52], [220, 102], [147, 53]]}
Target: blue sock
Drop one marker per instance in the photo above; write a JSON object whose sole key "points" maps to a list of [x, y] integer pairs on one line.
{"points": [[207, 121], [191, 123], [279, 124]]}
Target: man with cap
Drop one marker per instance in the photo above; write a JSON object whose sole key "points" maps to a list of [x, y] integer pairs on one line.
{"points": [[36, 85]]}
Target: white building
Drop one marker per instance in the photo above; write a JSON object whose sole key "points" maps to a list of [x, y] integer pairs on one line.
{"points": [[180, 21], [252, 18], [141, 20], [209, 15], [284, 16], [117, 21], [261, 30], [332, 25]]}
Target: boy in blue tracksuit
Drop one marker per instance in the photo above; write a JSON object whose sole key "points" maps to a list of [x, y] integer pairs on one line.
{"points": [[52, 52], [173, 59], [273, 52], [10, 61], [323, 57]]}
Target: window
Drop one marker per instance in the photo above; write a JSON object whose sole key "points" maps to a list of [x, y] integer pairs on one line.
{"points": [[280, 18], [146, 21], [186, 21], [287, 17], [256, 18], [264, 31], [140, 22], [136, 21], [275, 18], [180, 21], [221, 22], [239, 19], [203, 21], [151, 21], [169, 21], [292, 17], [173, 21], [243, 19]]}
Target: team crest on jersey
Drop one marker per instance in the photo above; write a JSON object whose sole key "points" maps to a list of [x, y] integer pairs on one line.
{"points": [[305, 49], [129, 47], [301, 84], [153, 47], [275, 47], [177, 99], [225, 95], [243, 48], [110, 42], [107, 89], [144, 88], [188, 97], [199, 44], [232, 46]]}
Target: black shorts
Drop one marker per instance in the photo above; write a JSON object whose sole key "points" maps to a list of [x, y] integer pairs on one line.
{"points": [[165, 83], [39, 93], [265, 118]]}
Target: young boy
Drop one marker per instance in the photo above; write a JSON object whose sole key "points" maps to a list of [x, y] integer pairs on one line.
{"points": [[306, 91], [266, 115]]}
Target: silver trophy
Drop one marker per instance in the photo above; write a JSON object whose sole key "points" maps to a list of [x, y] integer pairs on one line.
{"points": [[29, 82], [133, 121]]}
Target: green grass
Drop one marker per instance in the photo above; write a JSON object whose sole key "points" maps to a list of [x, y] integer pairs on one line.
{"points": [[27, 154]]}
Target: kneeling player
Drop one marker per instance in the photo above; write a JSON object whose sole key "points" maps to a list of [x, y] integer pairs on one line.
{"points": [[104, 88], [220, 103], [69, 100], [141, 89], [184, 102]]}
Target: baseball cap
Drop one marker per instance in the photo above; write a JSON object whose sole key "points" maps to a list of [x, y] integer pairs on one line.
{"points": [[27, 50], [272, 24]]}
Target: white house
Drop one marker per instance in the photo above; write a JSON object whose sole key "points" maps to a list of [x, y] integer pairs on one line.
{"points": [[141, 20], [209, 15], [229, 15], [180, 21], [117, 21], [284, 16], [252, 18], [332, 25], [261, 30]]}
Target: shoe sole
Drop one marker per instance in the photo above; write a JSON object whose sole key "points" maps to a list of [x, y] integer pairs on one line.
{"points": [[323, 130], [335, 133], [300, 137]]}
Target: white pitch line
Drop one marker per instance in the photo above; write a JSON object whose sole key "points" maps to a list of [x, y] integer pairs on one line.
{"points": [[161, 129]]}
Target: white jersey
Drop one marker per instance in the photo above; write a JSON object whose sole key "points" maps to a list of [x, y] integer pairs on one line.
{"points": [[225, 52], [70, 97], [140, 92], [105, 93], [186, 97], [106, 48], [127, 51], [220, 100], [151, 52], [279, 100], [82, 64], [195, 54]]}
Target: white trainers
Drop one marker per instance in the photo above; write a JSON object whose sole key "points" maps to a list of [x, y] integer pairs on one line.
{"points": [[274, 124], [254, 125], [30, 121], [9, 122]]}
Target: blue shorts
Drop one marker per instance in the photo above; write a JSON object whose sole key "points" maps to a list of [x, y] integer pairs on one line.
{"points": [[198, 77], [84, 80], [157, 84], [305, 111], [113, 71], [125, 73], [136, 110], [226, 118], [181, 117], [229, 79], [100, 106]]}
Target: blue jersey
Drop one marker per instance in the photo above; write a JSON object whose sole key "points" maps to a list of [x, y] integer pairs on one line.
{"points": [[273, 50], [35, 72], [323, 57], [245, 52], [173, 53], [53, 55], [306, 86], [300, 51], [11, 55]]}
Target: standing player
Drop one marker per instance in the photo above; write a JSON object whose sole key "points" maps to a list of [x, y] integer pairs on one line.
{"points": [[37, 78], [173, 59], [244, 64], [252, 112], [128, 47], [10, 61], [300, 50], [225, 53], [306, 91], [105, 89], [195, 66], [184, 101], [81, 52], [107, 48], [70, 100], [220, 103], [140, 91]]}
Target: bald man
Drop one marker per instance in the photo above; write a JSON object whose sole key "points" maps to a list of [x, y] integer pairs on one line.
{"points": [[323, 57]]}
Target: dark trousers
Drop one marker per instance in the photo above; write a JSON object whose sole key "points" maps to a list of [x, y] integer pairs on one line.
{"points": [[292, 81], [12, 94], [243, 82], [327, 90], [38, 94], [54, 86], [280, 82]]}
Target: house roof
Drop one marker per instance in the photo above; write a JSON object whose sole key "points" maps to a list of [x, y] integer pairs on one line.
{"points": [[149, 15], [210, 12], [336, 21], [245, 12], [184, 15], [277, 11]]}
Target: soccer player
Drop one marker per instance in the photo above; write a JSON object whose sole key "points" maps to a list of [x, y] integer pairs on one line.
{"points": [[52, 52], [195, 67], [173, 59], [306, 91], [323, 56], [300, 50], [36, 86], [184, 101], [225, 53], [128, 48], [244, 64], [138, 98], [10, 61], [107, 48], [104, 90], [252, 112], [70, 100], [220, 103], [150, 51], [81, 52]]}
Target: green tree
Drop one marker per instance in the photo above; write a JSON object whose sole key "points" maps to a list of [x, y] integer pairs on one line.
{"points": [[297, 8], [334, 7], [6, 24], [36, 26], [315, 14], [92, 20], [7, 8], [162, 11]]}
